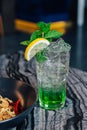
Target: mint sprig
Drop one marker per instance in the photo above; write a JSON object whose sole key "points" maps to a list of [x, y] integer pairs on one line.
{"points": [[43, 31]]}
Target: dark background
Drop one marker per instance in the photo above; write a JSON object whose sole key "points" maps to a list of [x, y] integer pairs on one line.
{"points": [[44, 10]]}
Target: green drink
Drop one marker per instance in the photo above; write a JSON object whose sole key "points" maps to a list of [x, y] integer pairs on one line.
{"points": [[52, 99], [52, 74]]}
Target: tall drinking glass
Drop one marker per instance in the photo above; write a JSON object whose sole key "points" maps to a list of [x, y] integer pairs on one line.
{"points": [[52, 74]]}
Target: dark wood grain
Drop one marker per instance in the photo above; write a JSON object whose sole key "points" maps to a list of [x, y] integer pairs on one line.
{"points": [[72, 117]]}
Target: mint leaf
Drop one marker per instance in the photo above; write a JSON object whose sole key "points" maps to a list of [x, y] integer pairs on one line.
{"points": [[40, 57], [25, 43], [41, 25], [47, 29], [53, 34], [44, 27], [35, 35]]}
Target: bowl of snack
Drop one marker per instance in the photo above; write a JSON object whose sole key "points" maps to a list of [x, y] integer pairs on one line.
{"points": [[17, 100]]}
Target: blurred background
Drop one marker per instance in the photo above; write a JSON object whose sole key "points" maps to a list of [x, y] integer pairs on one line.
{"points": [[18, 20]]}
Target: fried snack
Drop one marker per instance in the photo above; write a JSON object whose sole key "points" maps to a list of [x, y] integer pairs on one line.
{"points": [[6, 109]]}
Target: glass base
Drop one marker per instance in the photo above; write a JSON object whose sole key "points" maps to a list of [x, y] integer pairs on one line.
{"points": [[52, 106]]}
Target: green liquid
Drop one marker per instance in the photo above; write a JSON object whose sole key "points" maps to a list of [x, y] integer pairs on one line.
{"points": [[52, 99]]}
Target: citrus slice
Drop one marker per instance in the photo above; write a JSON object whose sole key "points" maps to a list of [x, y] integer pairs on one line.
{"points": [[34, 47]]}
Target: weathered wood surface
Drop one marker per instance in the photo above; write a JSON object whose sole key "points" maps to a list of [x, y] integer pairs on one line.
{"points": [[72, 117]]}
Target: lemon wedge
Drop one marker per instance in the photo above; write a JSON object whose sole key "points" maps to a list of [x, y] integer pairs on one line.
{"points": [[34, 47]]}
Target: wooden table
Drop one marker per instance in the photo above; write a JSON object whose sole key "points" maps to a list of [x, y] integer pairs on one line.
{"points": [[72, 117]]}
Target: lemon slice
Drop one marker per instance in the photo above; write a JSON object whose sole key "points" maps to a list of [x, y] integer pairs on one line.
{"points": [[34, 47]]}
